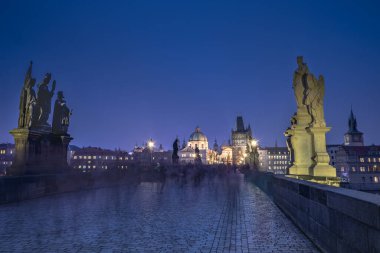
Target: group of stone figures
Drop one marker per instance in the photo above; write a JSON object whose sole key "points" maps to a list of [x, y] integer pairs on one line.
{"points": [[36, 108]]}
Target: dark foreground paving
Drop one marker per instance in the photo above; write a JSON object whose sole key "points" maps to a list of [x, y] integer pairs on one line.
{"points": [[217, 215]]}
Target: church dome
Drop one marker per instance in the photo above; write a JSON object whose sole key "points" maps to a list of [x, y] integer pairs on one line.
{"points": [[198, 135]]}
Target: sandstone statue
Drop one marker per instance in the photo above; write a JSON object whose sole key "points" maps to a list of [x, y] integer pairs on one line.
{"points": [[314, 100], [27, 101], [44, 97], [306, 137], [61, 115], [299, 85]]}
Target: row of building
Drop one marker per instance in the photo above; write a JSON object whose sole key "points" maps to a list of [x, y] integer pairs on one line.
{"points": [[355, 162]]}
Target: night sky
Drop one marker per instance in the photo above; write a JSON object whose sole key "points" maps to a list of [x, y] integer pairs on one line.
{"points": [[132, 70]]}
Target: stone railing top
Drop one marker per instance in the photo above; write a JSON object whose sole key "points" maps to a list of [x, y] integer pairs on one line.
{"points": [[364, 196]]}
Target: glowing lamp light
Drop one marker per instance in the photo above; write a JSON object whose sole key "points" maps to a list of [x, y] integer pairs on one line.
{"points": [[150, 144], [254, 143]]}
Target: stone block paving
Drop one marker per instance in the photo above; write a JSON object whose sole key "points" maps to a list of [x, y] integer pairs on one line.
{"points": [[218, 215]]}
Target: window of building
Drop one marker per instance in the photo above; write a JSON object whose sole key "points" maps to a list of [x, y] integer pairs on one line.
{"points": [[361, 159], [375, 179]]}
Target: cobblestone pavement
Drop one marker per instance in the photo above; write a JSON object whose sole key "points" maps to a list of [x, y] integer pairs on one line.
{"points": [[216, 215]]}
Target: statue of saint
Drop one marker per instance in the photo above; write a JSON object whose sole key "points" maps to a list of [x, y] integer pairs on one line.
{"points": [[30, 112], [27, 100], [314, 99], [44, 97], [175, 156], [198, 159], [61, 115], [298, 81]]}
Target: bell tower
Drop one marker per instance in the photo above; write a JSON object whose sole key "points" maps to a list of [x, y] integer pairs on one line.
{"points": [[353, 137]]}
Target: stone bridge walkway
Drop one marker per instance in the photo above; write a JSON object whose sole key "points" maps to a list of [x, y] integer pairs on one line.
{"points": [[216, 215]]}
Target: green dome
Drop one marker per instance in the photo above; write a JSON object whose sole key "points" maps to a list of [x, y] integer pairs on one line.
{"points": [[198, 135]]}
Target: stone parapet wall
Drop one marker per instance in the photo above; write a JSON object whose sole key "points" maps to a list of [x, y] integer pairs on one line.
{"points": [[335, 219]]}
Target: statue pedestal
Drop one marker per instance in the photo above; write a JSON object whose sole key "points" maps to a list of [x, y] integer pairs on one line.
{"points": [[300, 140], [38, 151], [321, 166]]}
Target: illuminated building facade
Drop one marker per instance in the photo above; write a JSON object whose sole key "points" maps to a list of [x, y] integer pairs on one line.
{"points": [[240, 139], [198, 140], [274, 159], [359, 166], [7, 152]]}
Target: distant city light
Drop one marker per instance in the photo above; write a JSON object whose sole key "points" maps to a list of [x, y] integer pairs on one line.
{"points": [[150, 144]]}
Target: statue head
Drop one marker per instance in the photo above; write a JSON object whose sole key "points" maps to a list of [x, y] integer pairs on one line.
{"points": [[47, 78], [60, 95], [299, 60]]}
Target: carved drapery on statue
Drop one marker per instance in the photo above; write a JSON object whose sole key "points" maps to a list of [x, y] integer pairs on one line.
{"points": [[61, 115], [27, 101], [309, 92], [314, 99], [44, 97]]}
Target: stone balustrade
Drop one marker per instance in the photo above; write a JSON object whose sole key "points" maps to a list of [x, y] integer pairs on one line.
{"points": [[335, 219]]}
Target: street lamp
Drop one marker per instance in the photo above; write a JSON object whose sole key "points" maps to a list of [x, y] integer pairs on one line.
{"points": [[151, 146], [254, 143]]}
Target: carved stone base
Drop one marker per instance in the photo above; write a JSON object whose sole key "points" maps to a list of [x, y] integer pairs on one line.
{"points": [[321, 167], [39, 152], [300, 140]]}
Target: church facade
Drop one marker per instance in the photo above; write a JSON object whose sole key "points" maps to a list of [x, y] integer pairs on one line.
{"points": [[197, 140]]}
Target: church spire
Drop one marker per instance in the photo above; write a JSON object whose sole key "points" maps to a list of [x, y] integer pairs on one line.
{"points": [[353, 137], [352, 123]]}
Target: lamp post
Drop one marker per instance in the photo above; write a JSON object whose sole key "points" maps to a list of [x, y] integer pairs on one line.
{"points": [[151, 146]]}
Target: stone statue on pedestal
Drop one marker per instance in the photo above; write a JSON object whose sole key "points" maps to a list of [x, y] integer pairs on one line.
{"points": [[44, 97], [306, 137], [61, 115], [39, 148], [175, 156]]}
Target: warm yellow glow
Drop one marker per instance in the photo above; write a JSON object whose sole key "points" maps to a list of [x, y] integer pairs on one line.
{"points": [[254, 143], [151, 144]]}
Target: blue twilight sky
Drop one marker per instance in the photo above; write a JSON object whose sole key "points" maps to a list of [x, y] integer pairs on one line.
{"points": [[132, 70]]}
